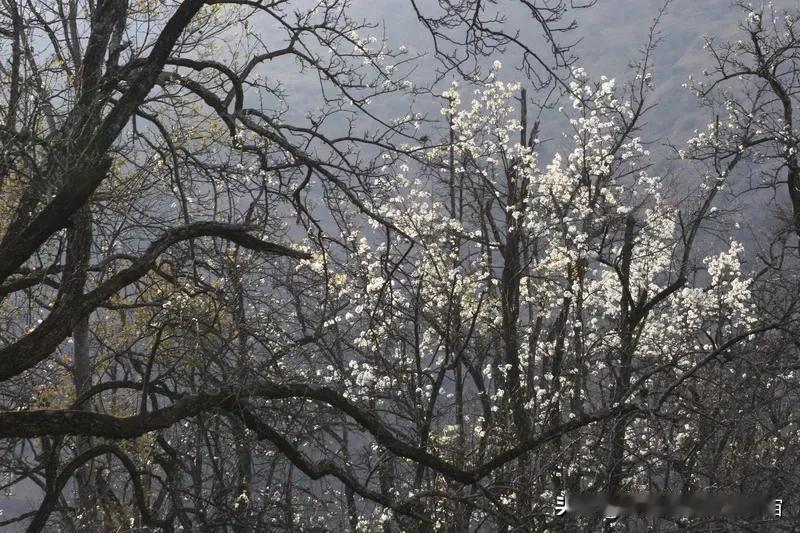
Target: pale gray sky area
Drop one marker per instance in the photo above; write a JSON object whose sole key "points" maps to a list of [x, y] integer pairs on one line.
{"points": [[610, 36]]}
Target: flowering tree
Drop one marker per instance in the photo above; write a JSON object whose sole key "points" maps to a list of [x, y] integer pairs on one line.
{"points": [[216, 315], [748, 149], [754, 83], [508, 303]]}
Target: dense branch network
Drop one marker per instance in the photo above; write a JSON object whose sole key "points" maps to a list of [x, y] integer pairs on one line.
{"points": [[225, 300]]}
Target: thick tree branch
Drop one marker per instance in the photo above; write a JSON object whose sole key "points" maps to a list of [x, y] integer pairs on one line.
{"points": [[28, 424], [42, 341], [90, 162]]}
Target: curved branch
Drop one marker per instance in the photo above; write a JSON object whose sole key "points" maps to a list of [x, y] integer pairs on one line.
{"points": [[28, 424], [50, 499], [322, 468], [42, 341], [92, 163]]}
